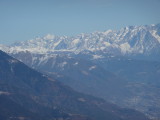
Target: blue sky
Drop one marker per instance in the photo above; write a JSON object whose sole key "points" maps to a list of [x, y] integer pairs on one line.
{"points": [[25, 19]]}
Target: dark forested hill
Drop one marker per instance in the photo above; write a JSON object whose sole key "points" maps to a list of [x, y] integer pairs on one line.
{"points": [[28, 94]]}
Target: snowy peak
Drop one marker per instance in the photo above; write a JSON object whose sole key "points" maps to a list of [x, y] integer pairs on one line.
{"points": [[4, 48], [126, 41]]}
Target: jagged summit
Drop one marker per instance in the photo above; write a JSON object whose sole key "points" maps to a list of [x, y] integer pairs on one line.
{"points": [[132, 40]]}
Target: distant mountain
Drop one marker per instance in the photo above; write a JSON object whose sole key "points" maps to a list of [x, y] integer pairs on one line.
{"points": [[130, 41], [119, 66], [82, 75], [143, 83], [27, 94], [134, 84]]}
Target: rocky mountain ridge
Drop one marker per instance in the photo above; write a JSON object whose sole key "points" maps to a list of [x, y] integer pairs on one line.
{"points": [[129, 41]]}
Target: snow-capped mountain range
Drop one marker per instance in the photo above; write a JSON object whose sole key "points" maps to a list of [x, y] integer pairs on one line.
{"points": [[126, 41], [90, 62]]}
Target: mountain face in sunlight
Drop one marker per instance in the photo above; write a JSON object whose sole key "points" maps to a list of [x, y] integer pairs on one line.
{"points": [[135, 41]]}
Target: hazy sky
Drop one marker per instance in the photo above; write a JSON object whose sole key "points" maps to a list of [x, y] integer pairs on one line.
{"points": [[25, 19]]}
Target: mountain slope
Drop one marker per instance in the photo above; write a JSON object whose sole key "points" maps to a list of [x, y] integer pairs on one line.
{"points": [[142, 79], [50, 99], [134, 84], [80, 74]]}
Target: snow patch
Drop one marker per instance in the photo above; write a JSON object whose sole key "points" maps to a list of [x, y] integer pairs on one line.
{"points": [[106, 32], [57, 43], [76, 63], [97, 56], [62, 64], [81, 99], [85, 73], [4, 48], [125, 47], [92, 67], [49, 37], [106, 43], [156, 35], [43, 59], [4, 93], [12, 61], [75, 41]]}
